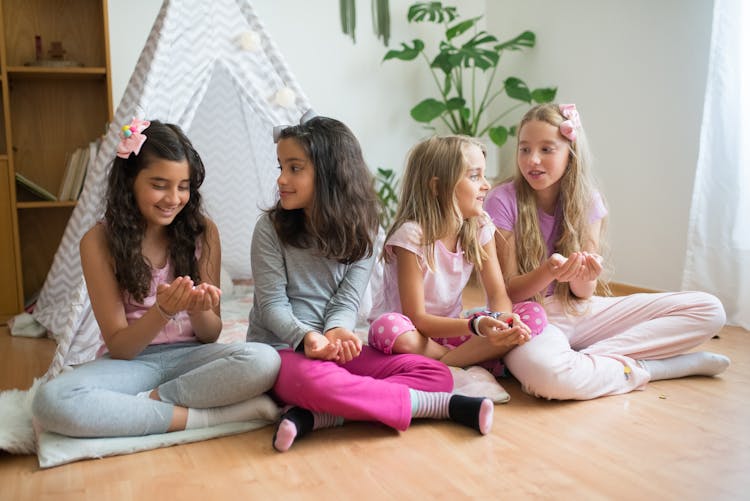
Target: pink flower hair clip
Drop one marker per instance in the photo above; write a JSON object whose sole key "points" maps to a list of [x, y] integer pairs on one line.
{"points": [[132, 138], [571, 123]]}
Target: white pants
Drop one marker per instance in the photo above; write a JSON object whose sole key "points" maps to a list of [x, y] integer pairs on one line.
{"points": [[583, 357]]}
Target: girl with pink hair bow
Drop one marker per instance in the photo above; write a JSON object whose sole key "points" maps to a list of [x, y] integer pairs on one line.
{"points": [[152, 271], [550, 220]]}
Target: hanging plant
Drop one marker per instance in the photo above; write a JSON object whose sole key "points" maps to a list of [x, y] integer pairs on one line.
{"points": [[381, 19]]}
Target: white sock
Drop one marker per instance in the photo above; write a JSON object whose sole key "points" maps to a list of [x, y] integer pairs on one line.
{"points": [[702, 363], [255, 408], [144, 394]]}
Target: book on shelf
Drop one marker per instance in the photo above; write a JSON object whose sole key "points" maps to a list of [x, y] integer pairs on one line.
{"points": [[75, 171], [80, 173], [68, 176], [34, 188]]}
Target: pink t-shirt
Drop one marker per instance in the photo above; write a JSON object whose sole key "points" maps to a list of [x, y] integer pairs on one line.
{"points": [[502, 207], [443, 284]]}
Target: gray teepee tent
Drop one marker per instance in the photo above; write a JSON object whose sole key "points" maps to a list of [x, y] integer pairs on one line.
{"points": [[211, 68]]}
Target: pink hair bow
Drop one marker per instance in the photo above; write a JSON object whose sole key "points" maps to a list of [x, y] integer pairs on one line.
{"points": [[132, 138], [571, 123]]}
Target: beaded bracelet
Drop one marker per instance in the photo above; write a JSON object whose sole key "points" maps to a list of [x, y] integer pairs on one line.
{"points": [[166, 316], [497, 314], [474, 320]]}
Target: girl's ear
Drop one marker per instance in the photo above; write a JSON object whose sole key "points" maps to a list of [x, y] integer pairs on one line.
{"points": [[434, 186]]}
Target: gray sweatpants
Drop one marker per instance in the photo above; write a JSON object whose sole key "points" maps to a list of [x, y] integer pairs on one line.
{"points": [[98, 399]]}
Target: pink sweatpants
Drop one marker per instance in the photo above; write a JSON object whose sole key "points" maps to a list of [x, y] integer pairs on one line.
{"points": [[372, 387], [584, 357]]}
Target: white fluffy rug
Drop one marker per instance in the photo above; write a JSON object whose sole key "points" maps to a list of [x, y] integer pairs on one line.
{"points": [[16, 431]]}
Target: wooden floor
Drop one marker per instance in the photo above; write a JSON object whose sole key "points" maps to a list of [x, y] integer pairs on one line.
{"points": [[680, 439]]}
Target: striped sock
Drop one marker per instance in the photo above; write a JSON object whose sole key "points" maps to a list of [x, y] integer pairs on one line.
{"points": [[429, 404], [474, 412]]}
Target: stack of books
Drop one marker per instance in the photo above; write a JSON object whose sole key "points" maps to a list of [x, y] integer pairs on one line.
{"points": [[73, 178]]}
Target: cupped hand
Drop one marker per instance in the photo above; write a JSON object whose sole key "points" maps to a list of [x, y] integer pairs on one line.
{"points": [[591, 268], [351, 345], [510, 337], [506, 331], [318, 347], [175, 297], [204, 297]]}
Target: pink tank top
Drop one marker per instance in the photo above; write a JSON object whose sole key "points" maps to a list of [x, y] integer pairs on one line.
{"points": [[178, 330]]}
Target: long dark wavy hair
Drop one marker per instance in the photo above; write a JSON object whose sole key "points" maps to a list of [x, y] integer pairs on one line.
{"points": [[126, 225], [344, 217]]}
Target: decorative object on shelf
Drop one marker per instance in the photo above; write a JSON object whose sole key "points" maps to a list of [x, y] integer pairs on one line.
{"points": [[56, 56], [56, 51], [38, 47], [465, 98]]}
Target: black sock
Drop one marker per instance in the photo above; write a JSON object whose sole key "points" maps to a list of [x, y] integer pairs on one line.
{"points": [[474, 412], [303, 421]]}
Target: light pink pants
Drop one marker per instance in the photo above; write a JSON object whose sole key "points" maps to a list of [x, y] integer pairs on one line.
{"points": [[584, 357], [372, 387]]}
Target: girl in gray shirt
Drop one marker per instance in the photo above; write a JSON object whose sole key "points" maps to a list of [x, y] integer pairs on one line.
{"points": [[312, 254]]}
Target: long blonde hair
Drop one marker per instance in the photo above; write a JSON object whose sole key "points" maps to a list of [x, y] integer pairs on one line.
{"points": [[577, 192], [433, 204]]}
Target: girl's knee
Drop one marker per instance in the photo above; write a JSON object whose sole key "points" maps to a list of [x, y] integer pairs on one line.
{"points": [[712, 309], [387, 330], [533, 315], [264, 357], [49, 404], [261, 361]]}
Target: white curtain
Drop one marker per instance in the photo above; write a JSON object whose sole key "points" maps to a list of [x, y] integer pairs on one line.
{"points": [[718, 247]]}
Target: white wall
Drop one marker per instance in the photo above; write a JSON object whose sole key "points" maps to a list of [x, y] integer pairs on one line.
{"points": [[636, 70], [342, 80]]}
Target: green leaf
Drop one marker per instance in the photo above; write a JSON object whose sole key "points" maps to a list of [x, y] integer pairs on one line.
{"points": [[433, 12], [473, 53], [444, 60], [513, 130], [428, 110], [525, 39], [407, 53], [499, 135], [544, 95], [455, 103], [517, 89], [460, 28]]}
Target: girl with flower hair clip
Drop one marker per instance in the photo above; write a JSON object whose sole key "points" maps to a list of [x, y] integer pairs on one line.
{"points": [[550, 221], [439, 236], [152, 273], [312, 255]]}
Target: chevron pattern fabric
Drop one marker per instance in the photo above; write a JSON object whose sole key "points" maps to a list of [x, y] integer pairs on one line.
{"points": [[194, 71]]}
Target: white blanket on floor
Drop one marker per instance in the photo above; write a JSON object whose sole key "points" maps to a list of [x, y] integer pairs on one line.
{"points": [[55, 450]]}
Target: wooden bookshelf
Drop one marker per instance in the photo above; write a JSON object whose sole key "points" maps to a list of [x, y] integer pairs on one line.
{"points": [[47, 112]]}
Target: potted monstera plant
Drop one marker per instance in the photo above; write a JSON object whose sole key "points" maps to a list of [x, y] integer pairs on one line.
{"points": [[464, 68]]}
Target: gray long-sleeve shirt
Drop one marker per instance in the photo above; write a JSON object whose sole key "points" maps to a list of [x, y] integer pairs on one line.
{"points": [[297, 291]]}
